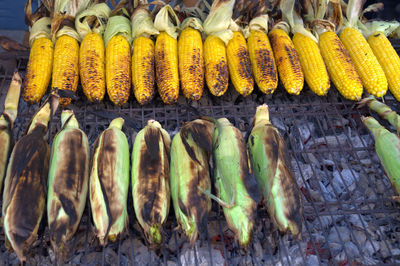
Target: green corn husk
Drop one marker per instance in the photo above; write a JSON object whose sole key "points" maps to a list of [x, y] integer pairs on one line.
{"points": [[272, 169], [190, 152], [236, 187], [109, 183], [383, 110], [68, 183], [150, 180], [7, 123], [387, 147], [25, 184]]}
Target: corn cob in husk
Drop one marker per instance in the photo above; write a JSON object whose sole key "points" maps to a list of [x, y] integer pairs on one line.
{"points": [[166, 54], [118, 39], [150, 180], [109, 183], [216, 27], [143, 60], [65, 74], [190, 152], [236, 187], [7, 123], [387, 147], [40, 63], [272, 169], [68, 183], [25, 184], [90, 24], [383, 110]]}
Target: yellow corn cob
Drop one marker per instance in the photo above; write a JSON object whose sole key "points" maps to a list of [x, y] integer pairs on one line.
{"points": [[239, 64], [312, 64], [367, 66], [262, 61], [66, 66], [287, 60], [166, 55], [340, 67], [388, 59], [191, 63], [91, 67], [143, 69], [216, 63], [118, 73], [38, 71]]}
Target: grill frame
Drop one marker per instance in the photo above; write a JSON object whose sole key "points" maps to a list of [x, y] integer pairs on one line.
{"points": [[284, 108]]}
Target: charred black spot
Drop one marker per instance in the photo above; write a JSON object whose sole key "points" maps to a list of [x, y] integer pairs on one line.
{"points": [[182, 206], [69, 208], [152, 138], [252, 140], [376, 35], [201, 136]]}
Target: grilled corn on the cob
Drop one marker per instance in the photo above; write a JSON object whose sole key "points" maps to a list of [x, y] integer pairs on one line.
{"points": [[190, 152], [40, 63], [261, 55], [191, 61], [236, 187], [117, 38], [150, 180], [91, 52], [7, 123], [287, 60], [166, 55], [272, 169], [388, 59], [109, 183], [216, 27], [67, 182], [25, 185], [143, 61]]}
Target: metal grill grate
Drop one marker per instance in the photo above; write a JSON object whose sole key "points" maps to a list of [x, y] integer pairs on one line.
{"points": [[349, 216]]}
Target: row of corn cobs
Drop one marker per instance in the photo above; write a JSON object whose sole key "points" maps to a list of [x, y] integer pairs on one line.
{"points": [[65, 175], [183, 63]]}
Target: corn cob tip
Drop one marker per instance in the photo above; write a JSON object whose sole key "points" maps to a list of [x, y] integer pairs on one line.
{"points": [[365, 101], [262, 114], [117, 123]]}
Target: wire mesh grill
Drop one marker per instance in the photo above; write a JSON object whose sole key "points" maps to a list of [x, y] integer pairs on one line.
{"points": [[350, 217]]}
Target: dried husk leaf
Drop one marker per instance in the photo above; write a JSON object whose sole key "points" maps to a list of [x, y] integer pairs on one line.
{"points": [[283, 26], [142, 23], [353, 12], [166, 20], [41, 28], [93, 19], [192, 22], [218, 21], [118, 25], [385, 27]]}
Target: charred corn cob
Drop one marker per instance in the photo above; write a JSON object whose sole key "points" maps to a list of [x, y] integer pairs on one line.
{"points": [[239, 64], [340, 67], [40, 63], [261, 55], [143, 61], [236, 187], [216, 27], [191, 62], [365, 62], [166, 55], [7, 123], [216, 65], [150, 180], [65, 74], [67, 182], [387, 147], [190, 152], [91, 52], [287, 60], [109, 182], [272, 169], [25, 184], [66, 66], [388, 59]]}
